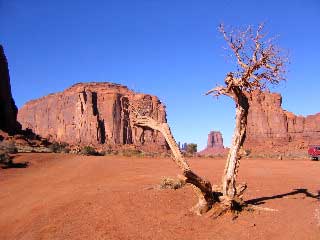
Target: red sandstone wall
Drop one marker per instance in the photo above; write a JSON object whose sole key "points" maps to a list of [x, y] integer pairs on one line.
{"points": [[93, 114], [274, 130]]}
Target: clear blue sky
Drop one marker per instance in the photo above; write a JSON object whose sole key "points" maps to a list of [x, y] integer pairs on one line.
{"points": [[169, 48]]}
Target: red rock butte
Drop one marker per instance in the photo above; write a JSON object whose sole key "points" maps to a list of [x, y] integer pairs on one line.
{"points": [[272, 129], [215, 140], [95, 114], [214, 144]]}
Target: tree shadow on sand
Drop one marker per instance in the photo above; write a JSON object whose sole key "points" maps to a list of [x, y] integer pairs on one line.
{"points": [[7, 162], [15, 165], [261, 200]]}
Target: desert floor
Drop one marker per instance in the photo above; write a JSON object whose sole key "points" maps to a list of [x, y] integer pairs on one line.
{"points": [[77, 197]]}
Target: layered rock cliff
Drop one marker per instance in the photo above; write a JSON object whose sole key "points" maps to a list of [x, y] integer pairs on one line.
{"points": [[215, 140], [94, 114], [8, 109], [274, 130], [214, 144]]}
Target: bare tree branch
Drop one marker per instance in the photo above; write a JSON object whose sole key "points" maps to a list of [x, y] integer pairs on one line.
{"points": [[201, 186], [266, 64], [235, 45]]}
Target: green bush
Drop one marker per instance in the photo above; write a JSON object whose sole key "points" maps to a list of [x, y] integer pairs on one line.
{"points": [[192, 148]]}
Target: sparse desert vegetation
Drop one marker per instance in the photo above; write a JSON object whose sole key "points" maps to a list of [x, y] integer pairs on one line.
{"points": [[57, 147]]}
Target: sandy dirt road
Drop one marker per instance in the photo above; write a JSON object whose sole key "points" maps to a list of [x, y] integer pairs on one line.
{"points": [[76, 197]]}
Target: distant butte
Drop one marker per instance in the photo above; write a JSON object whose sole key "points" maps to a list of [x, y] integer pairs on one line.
{"points": [[272, 131], [214, 144]]}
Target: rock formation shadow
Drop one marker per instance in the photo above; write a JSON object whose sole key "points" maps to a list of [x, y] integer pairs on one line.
{"points": [[262, 200]]}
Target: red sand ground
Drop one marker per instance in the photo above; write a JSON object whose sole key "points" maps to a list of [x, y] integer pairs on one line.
{"points": [[75, 197]]}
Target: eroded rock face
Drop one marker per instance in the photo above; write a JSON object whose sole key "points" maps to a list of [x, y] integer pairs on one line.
{"points": [[274, 130], [215, 140], [8, 109], [214, 144], [94, 114]]}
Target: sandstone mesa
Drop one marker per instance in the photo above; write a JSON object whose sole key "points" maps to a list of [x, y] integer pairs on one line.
{"points": [[95, 114]]}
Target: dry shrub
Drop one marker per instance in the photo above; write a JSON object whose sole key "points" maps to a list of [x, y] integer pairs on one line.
{"points": [[8, 147], [57, 147], [5, 158], [89, 151], [171, 183], [131, 153]]}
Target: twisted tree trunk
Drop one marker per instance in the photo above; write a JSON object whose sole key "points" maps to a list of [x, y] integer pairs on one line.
{"points": [[229, 188], [202, 188]]}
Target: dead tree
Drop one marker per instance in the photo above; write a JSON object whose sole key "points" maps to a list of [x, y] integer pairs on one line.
{"points": [[259, 63], [202, 188]]}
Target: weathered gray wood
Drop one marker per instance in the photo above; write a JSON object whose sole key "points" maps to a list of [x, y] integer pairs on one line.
{"points": [[202, 188]]}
